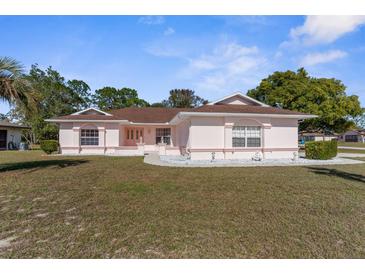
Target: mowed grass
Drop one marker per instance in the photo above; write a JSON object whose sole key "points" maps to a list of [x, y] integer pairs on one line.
{"points": [[348, 150], [113, 207], [351, 144]]}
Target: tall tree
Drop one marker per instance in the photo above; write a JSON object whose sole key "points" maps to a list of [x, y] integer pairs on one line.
{"points": [[183, 98], [112, 98], [54, 97], [14, 87], [320, 96], [360, 120]]}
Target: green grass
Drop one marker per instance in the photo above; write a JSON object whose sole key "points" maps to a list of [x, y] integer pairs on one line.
{"points": [[351, 144], [346, 150], [114, 207]]}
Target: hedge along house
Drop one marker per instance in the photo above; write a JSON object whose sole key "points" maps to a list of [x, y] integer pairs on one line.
{"points": [[234, 127]]}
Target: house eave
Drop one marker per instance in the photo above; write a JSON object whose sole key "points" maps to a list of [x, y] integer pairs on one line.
{"points": [[124, 122], [85, 121], [181, 115]]}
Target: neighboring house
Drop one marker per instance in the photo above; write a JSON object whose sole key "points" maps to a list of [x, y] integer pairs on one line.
{"points": [[353, 136], [10, 132], [234, 127], [315, 136]]}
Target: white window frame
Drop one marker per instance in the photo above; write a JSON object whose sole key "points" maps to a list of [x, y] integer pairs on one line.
{"points": [[164, 136], [90, 138], [245, 136]]}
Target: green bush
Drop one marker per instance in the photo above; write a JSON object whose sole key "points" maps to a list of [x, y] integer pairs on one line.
{"points": [[49, 146], [321, 150]]}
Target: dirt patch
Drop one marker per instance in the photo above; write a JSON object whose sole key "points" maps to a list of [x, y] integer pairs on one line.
{"points": [[4, 243]]}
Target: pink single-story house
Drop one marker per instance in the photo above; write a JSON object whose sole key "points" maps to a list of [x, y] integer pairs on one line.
{"points": [[234, 127]]}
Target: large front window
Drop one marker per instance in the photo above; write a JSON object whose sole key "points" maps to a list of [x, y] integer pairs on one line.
{"points": [[89, 137], [163, 135], [246, 136]]}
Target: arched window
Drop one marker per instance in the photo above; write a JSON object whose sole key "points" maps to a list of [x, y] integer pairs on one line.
{"points": [[246, 136], [89, 137]]}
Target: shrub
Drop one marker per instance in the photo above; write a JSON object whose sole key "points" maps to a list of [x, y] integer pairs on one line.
{"points": [[49, 146], [321, 150]]}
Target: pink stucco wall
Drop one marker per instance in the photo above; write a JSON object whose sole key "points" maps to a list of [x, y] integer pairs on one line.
{"points": [[199, 135]]}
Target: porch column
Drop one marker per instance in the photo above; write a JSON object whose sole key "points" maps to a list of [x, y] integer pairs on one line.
{"points": [[76, 138], [265, 133], [227, 137], [102, 137]]}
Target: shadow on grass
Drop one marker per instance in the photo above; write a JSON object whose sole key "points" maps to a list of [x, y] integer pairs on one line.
{"points": [[35, 165], [338, 173]]}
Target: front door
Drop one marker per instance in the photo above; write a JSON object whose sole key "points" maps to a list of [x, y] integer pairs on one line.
{"points": [[3, 134], [133, 136]]}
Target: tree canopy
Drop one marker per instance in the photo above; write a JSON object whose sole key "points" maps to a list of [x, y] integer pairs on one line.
{"points": [[54, 97], [112, 98], [320, 96], [14, 88], [183, 98]]}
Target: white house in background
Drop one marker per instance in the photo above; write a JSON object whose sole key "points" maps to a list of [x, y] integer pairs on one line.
{"points": [[316, 136], [10, 132], [234, 127], [353, 136]]}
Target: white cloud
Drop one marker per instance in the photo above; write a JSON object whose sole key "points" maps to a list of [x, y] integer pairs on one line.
{"points": [[164, 50], [169, 31], [312, 59], [230, 66], [151, 20], [321, 29]]}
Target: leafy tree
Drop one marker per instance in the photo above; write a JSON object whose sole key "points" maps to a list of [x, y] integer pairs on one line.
{"points": [[320, 96], [360, 120], [2, 116], [183, 98], [112, 98], [54, 97], [14, 87]]}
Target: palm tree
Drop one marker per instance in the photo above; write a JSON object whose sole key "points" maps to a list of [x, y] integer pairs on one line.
{"points": [[14, 87]]}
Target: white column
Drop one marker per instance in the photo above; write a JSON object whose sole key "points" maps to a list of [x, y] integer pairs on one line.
{"points": [[227, 137], [266, 127], [76, 138]]}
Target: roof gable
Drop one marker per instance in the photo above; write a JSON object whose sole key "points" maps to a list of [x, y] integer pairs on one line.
{"points": [[91, 111], [238, 98]]}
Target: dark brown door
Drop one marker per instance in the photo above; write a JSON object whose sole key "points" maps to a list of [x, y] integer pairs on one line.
{"points": [[3, 134]]}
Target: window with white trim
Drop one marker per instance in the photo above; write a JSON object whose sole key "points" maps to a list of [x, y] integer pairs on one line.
{"points": [[163, 135], [246, 136], [89, 137]]}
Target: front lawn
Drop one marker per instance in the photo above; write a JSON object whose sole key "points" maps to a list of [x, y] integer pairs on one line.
{"points": [[348, 150], [105, 207], [351, 144]]}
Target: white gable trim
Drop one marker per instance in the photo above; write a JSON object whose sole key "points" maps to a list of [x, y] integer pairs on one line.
{"points": [[241, 95], [95, 109]]}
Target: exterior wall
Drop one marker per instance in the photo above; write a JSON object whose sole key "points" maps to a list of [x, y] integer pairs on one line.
{"points": [[212, 138], [13, 134], [69, 137], [149, 136], [203, 137], [182, 134], [111, 139]]}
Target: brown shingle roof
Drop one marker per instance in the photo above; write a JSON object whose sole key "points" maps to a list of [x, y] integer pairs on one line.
{"points": [[133, 114], [164, 115], [245, 109]]}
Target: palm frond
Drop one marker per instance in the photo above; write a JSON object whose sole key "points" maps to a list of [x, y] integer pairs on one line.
{"points": [[10, 67]]}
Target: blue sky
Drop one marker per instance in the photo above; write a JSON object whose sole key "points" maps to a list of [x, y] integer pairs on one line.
{"points": [[214, 55]]}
